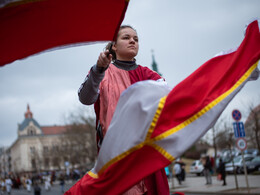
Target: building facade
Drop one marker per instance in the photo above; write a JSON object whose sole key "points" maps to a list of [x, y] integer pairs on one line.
{"points": [[27, 152], [46, 148], [5, 161]]}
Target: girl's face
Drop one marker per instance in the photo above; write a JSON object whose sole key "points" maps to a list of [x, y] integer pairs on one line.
{"points": [[126, 46]]}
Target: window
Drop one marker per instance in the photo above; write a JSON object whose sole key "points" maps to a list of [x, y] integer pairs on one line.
{"points": [[45, 149], [55, 148], [31, 130], [46, 162], [33, 164], [32, 149]]}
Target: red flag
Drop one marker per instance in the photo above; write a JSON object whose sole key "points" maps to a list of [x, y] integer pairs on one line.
{"points": [[29, 27], [149, 132]]}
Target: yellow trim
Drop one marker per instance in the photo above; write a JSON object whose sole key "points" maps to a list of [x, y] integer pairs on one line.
{"points": [[120, 156], [162, 151], [150, 142], [155, 118], [91, 174]]}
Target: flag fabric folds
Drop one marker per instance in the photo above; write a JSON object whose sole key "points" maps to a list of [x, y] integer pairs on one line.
{"points": [[153, 125], [29, 27]]}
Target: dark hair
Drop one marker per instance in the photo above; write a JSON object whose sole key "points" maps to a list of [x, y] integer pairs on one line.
{"points": [[111, 43]]}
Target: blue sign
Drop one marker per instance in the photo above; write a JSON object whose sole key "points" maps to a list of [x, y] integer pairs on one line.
{"points": [[239, 129], [236, 114]]}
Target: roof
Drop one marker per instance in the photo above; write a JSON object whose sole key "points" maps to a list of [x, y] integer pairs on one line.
{"points": [[46, 130], [26, 122], [53, 130]]}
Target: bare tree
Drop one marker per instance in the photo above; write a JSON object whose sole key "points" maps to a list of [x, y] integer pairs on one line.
{"points": [[225, 137], [252, 126], [78, 144], [215, 129]]}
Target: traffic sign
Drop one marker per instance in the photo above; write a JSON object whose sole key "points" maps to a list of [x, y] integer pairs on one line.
{"points": [[241, 144], [236, 114], [239, 129]]}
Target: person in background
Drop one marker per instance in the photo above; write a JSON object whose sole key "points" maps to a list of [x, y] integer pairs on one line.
{"points": [[37, 189], [167, 171], [62, 182], [183, 173], [212, 161], [221, 170], [28, 184], [207, 169], [8, 185], [47, 182], [18, 181], [2, 186], [177, 171], [104, 85]]}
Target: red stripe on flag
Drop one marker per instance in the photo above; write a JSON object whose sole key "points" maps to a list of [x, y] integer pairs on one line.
{"points": [[123, 174], [208, 82], [33, 27]]}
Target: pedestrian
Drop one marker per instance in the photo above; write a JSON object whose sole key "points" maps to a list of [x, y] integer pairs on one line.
{"points": [[37, 189], [28, 184], [104, 85], [53, 177], [207, 169], [62, 182], [2, 186], [18, 181], [8, 185], [177, 171], [183, 173], [47, 182], [212, 162], [23, 181], [167, 171], [222, 171]]}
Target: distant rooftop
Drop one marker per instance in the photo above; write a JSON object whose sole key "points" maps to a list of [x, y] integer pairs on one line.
{"points": [[46, 130]]}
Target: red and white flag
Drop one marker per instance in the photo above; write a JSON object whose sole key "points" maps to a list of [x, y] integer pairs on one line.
{"points": [[30, 27], [153, 125]]}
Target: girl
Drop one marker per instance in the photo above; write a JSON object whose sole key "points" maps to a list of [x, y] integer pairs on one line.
{"points": [[103, 86]]}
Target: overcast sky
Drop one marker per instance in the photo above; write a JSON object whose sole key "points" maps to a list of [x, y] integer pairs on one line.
{"points": [[183, 34]]}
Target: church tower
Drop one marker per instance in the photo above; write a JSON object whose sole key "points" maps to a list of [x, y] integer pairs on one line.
{"points": [[154, 64], [28, 114], [29, 126]]}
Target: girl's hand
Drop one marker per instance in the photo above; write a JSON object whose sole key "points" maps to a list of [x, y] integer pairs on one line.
{"points": [[104, 59]]}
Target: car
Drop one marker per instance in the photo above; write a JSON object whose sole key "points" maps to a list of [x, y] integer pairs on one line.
{"points": [[197, 168], [251, 151], [238, 164], [254, 165]]}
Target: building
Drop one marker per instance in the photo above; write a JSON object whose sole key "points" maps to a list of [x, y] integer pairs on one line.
{"points": [[5, 161], [32, 141], [45, 148]]}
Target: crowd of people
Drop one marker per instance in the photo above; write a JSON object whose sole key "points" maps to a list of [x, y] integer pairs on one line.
{"points": [[37, 182], [10, 181]]}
